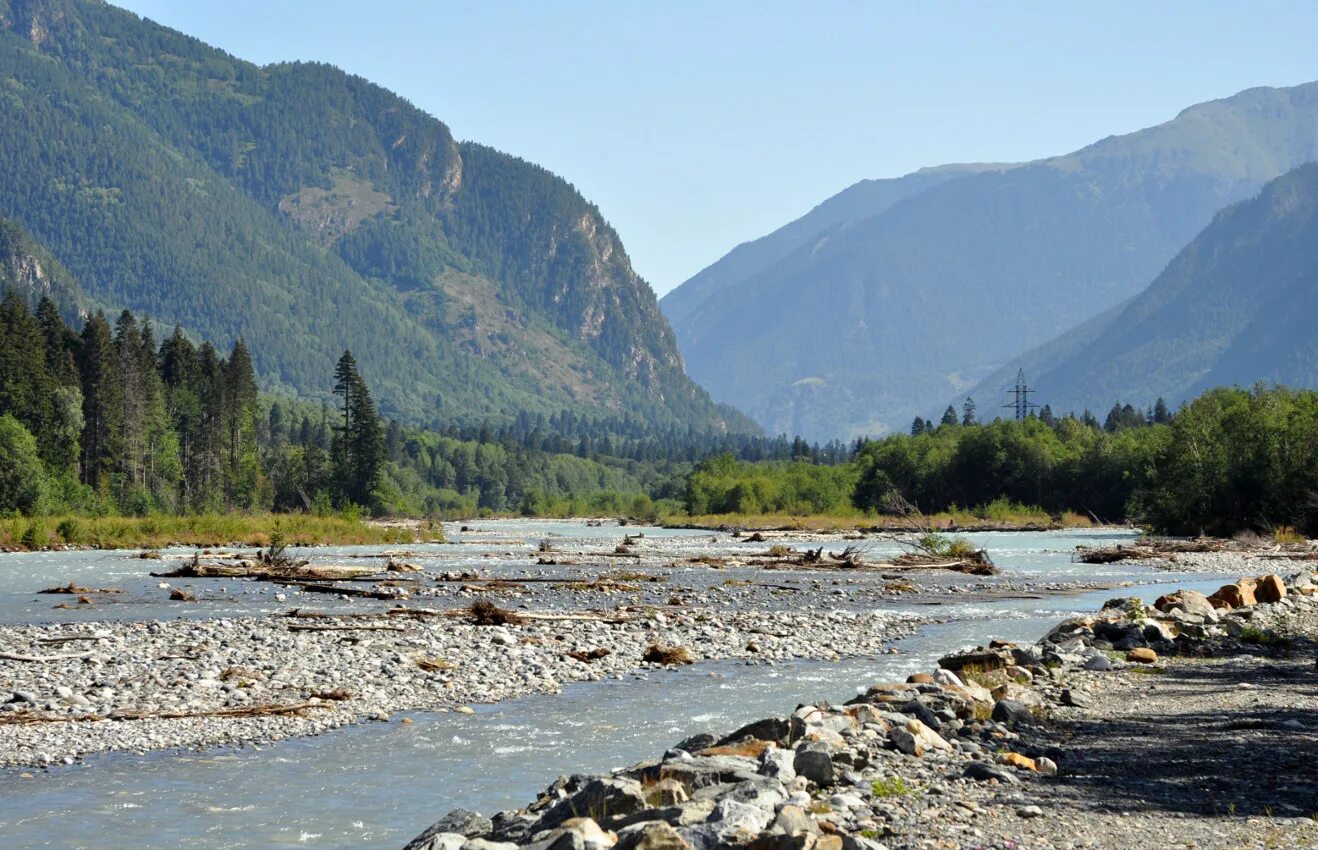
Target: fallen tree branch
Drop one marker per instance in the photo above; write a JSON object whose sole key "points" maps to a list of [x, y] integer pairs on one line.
{"points": [[11, 656], [297, 627], [71, 638], [270, 710]]}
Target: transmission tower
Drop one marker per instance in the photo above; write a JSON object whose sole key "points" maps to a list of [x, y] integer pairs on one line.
{"points": [[1021, 397]]}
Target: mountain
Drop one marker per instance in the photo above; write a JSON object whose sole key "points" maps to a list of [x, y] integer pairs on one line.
{"points": [[308, 211], [866, 322], [855, 203], [1238, 305]]}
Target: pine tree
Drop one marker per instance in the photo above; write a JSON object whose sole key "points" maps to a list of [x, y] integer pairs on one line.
{"points": [[1046, 416], [178, 373], [1161, 415], [102, 402], [359, 445], [949, 416], [242, 470], [968, 412]]}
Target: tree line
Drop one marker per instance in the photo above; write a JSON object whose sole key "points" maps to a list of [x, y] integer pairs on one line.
{"points": [[1231, 460]]}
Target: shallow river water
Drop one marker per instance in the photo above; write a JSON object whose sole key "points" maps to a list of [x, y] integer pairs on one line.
{"points": [[376, 785]]}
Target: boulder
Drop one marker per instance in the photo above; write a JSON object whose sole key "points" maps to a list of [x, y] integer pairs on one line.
{"points": [[452, 831], [482, 844], [792, 820], [1011, 712], [437, 840], [698, 772], [923, 713], [1018, 760], [700, 741], [1230, 596], [982, 771], [980, 659], [776, 729], [778, 764], [915, 739], [666, 792], [1142, 655], [593, 837], [762, 792], [1098, 662], [735, 822], [749, 749], [1156, 631], [604, 797], [1270, 589], [784, 841], [465, 822], [651, 835], [814, 762], [558, 839], [1188, 601]]}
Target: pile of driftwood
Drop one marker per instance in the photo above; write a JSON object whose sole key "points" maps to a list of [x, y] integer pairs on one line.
{"points": [[976, 563], [273, 565], [1151, 548]]}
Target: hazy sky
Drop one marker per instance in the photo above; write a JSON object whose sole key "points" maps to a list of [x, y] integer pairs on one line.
{"points": [[698, 125]]}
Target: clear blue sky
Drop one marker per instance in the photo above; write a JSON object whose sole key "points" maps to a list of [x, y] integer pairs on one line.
{"points": [[698, 125]]}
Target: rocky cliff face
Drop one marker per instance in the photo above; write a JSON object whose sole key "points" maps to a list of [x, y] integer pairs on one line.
{"points": [[32, 272]]}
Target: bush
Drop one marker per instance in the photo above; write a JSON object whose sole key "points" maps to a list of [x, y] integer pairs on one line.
{"points": [[22, 477]]}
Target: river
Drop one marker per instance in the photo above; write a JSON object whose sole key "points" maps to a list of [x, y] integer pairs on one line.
{"points": [[376, 785]]}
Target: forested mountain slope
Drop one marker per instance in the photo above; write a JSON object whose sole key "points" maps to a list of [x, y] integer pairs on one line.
{"points": [[308, 211], [1238, 305], [874, 321]]}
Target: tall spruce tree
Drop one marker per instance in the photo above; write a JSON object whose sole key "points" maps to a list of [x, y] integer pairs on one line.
{"points": [[358, 448], [102, 403]]}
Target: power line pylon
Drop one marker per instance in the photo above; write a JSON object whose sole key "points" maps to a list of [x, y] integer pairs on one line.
{"points": [[1021, 397]]}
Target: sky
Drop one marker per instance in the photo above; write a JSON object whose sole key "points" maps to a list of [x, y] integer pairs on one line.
{"points": [[695, 126]]}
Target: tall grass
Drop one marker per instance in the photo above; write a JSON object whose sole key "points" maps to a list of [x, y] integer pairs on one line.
{"points": [[152, 532]]}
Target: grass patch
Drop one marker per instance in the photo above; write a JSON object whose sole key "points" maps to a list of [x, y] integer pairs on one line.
{"points": [[892, 786], [1262, 637], [1284, 534], [154, 532]]}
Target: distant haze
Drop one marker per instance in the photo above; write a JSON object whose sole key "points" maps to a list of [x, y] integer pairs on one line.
{"points": [[699, 126]]}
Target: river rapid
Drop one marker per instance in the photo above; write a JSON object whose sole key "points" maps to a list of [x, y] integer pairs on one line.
{"points": [[375, 785]]}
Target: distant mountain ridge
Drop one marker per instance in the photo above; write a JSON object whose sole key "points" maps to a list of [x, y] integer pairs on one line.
{"points": [[309, 210], [867, 322], [1238, 305]]}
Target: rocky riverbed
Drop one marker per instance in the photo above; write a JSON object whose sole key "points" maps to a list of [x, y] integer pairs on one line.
{"points": [[76, 689], [1189, 723]]}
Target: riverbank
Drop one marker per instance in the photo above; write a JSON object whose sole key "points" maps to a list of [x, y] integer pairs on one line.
{"points": [[960, 521], [163, 531], [1177, 724]]}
